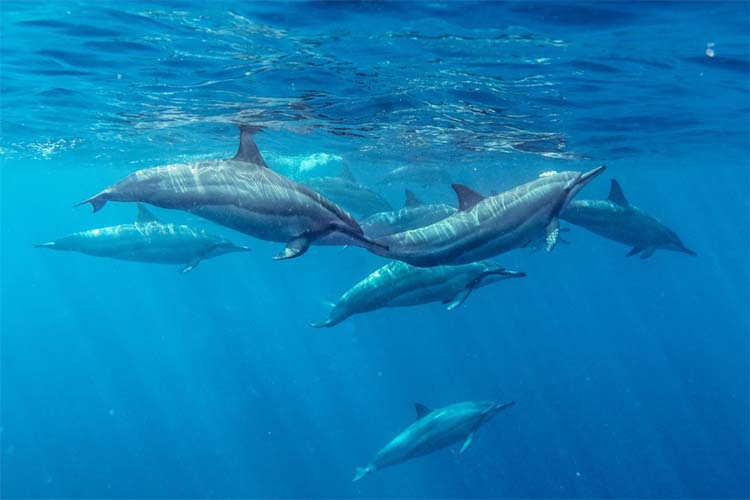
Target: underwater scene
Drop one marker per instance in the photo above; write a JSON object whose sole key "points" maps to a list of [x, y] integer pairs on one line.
{"points": [[374, 249]]}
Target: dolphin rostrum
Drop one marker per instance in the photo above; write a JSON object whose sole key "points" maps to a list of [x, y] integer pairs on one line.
{"points": [[487, 226], [434, 430], [148, 240], [618, 220], [243, 193], [398, 284], [414, 214]]}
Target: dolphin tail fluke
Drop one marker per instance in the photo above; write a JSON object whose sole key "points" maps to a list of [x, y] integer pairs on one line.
{"points": [[49, 244], [97, 202], [361, 472], [365, 241]]}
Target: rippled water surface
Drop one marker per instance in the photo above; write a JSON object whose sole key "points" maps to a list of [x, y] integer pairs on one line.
{"points": [[131, 380]]}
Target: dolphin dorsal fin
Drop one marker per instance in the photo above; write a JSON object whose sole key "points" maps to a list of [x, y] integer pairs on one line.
{"points": [[467, 197], [145, 215], [347, 174], [248, 150], [412, 200], [422, 410], [616, 195]]}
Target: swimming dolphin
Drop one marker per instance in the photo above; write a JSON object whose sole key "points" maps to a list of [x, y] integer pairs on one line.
{"points": [[487, 226], [242, 193], [148, 240], [434, 430], [398, 284], [414, 214], [350, 194], [417, 174], [618, 220]]}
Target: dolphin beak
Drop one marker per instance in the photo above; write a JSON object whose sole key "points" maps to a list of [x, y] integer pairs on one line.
{"points": [[504, 406], [688, 251], [587, 177], [512, 274]]}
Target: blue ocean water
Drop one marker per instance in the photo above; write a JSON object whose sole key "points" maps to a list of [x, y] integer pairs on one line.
{"points": [[132, 380]]}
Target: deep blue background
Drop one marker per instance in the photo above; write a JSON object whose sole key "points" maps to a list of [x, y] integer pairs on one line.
{"points": [[131, 380]]}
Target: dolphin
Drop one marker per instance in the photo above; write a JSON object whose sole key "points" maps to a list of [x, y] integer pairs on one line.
{"points": [[618, 220], [350, 194], [242, 193], [434, 430], [398, 284], [414, 214], [487, 226], [148, 240], [417, 174]]}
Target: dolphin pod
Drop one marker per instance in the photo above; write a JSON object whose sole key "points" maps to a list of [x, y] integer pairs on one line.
{"points": [[439, 252], [485, 227], [244, 194], [618, 220], [432, 431], [398, 284], [148, 240]]}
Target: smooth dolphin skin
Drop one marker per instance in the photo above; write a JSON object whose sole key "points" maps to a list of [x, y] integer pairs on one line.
{"points": [[618, 220], [413, 215], [242, 193], [148, 240], [398, 284], [350, 194], [434, 430], [485, 227]]}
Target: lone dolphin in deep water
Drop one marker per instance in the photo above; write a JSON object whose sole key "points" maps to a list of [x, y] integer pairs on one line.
{"points": [[618, 220], [434, 430], [243, 193], [348, 193], [487, 226], [398, 284], [148, 240], [413, 215]]}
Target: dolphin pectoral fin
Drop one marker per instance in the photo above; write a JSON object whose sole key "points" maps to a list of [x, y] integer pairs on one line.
{"points": [[553, 234], [468, 441], [634, 251], [191, 266], [459, 299], [361, 472], [648, 252], [294, 248]]}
